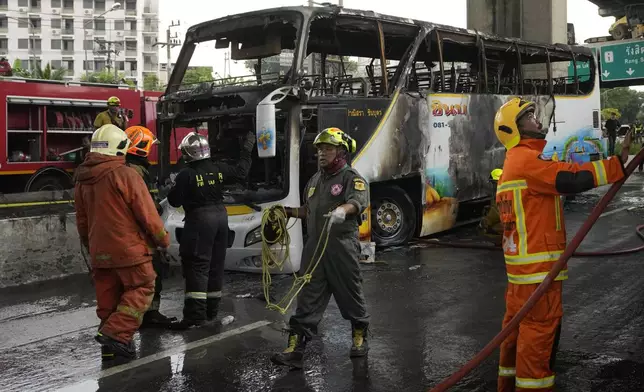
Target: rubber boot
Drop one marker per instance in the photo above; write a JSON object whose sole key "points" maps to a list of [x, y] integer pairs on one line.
{"points": [[293, 355], [185, 324], [360, 346], [153, 318], [113, 348], [212, 308]]}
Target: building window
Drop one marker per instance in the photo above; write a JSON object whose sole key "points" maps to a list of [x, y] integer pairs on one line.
{"points": [[4, 22], [36, 44], [119, 25], [130, 5], [68, 4], [133, 66], [23, 23], [56, 44], [99, 24], [56, 64], [23, 3], [23, 43], [56, 23], [36, 23], [120, 65], [87, 64], [99, 5], [56, 3], [68, 45], [88, 44], [35, 4], [132, 24], [88, 4], [70, 65], [99, 65], [4, 4], [4, 44]]}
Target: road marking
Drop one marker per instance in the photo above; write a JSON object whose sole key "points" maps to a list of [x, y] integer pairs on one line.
{"points": [[182, 348], [615, 211]]}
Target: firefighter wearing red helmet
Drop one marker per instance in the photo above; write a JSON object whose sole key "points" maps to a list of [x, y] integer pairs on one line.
{"points": [[113, 115], [534, 237], [141, 142]]}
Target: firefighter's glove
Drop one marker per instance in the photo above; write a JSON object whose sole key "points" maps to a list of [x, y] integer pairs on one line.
{"points": [[337, 216], [249, 141]]}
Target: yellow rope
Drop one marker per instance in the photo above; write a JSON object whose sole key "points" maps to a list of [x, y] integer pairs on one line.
{"points": [[273, 257]]}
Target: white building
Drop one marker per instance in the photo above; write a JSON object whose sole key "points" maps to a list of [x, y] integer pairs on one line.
{"points": [[66, 32]]}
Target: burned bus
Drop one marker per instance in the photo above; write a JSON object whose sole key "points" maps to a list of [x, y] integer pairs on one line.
{"points": [[419, 98]]}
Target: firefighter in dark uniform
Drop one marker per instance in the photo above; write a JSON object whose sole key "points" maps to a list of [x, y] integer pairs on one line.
{"points": [[113, 115], [339, 192], [142, 140], [204, 239]]}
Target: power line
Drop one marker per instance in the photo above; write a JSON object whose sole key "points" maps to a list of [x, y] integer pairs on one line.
{"points": [[81, 16], [170, 43]]}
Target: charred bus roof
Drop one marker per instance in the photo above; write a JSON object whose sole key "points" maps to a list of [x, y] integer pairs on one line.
{"points": [[216, 28]]}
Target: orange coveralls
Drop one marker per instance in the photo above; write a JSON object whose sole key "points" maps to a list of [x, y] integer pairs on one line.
{"points": [[119, 223], [534, 236]]}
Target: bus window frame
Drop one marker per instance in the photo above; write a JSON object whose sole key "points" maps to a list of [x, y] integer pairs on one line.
{"points": [[519, 82]]}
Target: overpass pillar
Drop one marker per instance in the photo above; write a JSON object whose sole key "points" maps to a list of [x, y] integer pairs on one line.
{"points": [[539, 21]]}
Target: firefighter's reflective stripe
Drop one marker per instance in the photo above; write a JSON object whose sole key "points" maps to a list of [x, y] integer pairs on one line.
{"points": [[535, 278], [130, 311], [558, 212], [533, 258], [214, 294], [507, 371], [512, 185], [600, 173], [535, 383], [196, 295]]}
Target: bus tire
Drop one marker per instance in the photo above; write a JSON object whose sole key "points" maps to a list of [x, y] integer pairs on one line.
{"points": [[393, 216], [50, 182]]}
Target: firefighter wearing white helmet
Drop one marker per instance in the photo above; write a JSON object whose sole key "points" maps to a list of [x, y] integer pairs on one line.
{"points": [[338, 191], [119, 224], [199, 190], [113, 115]]}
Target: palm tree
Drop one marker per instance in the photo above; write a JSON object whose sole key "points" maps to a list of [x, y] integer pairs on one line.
{"points": [[38, 72]]}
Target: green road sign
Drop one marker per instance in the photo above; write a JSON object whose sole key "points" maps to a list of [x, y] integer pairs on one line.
{"points": [[622, 61]]}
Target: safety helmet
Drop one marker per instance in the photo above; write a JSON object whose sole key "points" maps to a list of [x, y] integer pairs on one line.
{"points": [[496, 174], [113, 101], [109, 140], [141, 140], [336, 137], [505, 121], [194, 147]]}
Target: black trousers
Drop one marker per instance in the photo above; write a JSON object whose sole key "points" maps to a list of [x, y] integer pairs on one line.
{"points": [[204, 240]]}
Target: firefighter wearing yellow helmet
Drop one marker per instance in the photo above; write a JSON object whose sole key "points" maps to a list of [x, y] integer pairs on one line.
{"points": [[337, 191], [113, 115], [490, 224], [534, 237]]}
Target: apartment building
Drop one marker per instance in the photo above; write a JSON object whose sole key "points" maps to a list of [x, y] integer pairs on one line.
{"points": [[82, 35]]}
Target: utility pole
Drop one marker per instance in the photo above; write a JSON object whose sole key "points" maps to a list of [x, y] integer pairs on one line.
{"points": [[106, 48], [170, 42]]}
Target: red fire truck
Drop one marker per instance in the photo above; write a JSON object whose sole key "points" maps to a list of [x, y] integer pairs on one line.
{"points": [[45, 125]]}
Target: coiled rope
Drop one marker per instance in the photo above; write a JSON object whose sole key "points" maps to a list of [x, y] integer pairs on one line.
{"points": [[276, 252]]}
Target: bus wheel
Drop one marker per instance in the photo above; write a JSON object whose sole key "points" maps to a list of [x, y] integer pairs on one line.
{"points": [[50, 182], [619, 32], [393, 216]]}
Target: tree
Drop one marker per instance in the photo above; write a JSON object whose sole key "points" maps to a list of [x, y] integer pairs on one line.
{"points": [[106, 77], [197, 75], [37, 72], [625, 101], [151, 83]]}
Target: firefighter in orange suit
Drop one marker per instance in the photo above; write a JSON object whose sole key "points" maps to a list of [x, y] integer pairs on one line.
{"points": [[534, 236], [119, 224]]}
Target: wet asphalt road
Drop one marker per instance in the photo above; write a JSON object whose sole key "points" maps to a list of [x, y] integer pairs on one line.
{"points": [[432, 310]]}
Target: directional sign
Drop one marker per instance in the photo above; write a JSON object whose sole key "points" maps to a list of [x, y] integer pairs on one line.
{"points": [[622, 61]]}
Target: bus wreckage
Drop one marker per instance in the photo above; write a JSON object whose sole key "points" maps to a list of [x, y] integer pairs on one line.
{"points": [[419, 99]]}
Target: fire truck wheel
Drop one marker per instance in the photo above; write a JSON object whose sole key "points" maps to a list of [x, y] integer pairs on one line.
{"points": [[50, 182], [393, 216]]}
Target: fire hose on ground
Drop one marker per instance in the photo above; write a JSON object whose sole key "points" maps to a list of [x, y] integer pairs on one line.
{"points": [[543, 286]]}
